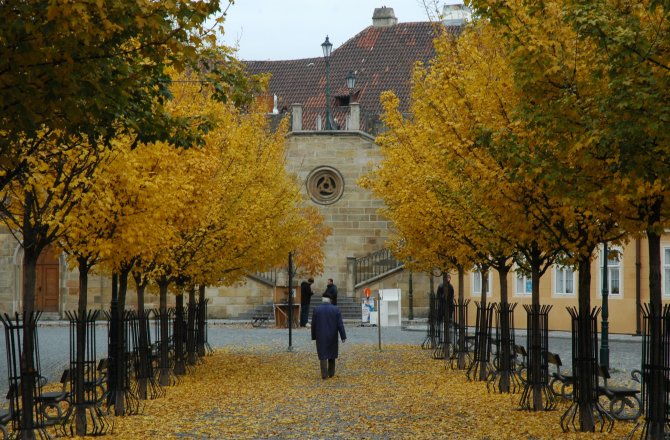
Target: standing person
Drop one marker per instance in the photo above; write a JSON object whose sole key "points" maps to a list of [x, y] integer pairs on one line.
{"points": [[331, 291], [440, 304], [305, 298], [326, 324], [450, 299]]}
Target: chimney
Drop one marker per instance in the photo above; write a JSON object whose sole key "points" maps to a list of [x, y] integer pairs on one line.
{"points": [[354, 116], [296, 117], [383, 17]]}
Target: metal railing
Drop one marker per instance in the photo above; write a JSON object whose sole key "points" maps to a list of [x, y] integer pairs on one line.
{"points": [[375, 265], [269, 277]]}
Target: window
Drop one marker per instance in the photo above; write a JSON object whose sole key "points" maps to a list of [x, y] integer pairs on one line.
{"points": [[666, 271], [564, 277], [477, 283], [524, 284], [614, 263], [342, 101]]}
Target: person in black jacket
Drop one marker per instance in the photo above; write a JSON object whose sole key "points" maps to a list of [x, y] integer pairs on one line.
{"points": [[331, 292], [326, 324], [305, 298]]}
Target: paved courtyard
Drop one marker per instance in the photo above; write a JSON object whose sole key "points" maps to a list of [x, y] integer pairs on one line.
{"points": [[625, 350]]}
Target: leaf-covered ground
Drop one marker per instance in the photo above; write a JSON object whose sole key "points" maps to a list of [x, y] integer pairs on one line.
{"points": [[401, 392]]}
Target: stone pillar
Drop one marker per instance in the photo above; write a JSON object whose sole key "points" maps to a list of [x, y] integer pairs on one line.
{"points": [[351, 275], [354, 116], [296, 117]]}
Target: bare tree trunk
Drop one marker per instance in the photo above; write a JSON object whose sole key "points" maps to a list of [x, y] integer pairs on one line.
{"points": [[483, 326], [163, 284], [178, 334], [462, 362], [584, 368], [31, 253], [658, 387], [191, 357], [201, 321], [505, 355], [80, 408], [143, 360], [534, 349], [121, 364]]}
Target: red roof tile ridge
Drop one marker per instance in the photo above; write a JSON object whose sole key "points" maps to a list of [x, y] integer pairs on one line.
{"points": [[295, 60]]}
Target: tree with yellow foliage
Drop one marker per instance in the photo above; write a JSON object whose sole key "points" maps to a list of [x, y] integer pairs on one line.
{"points": [[454, 197], [35, 207], [572, 113]]}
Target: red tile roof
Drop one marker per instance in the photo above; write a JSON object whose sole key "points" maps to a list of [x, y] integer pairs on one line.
{"points": [[381, 57]]}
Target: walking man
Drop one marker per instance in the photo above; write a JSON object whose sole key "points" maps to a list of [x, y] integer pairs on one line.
{"points": [[305, 298], [326, 324]]}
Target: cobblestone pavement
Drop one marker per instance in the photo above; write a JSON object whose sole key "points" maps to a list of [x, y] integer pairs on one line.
{"points": [[625, 351]]}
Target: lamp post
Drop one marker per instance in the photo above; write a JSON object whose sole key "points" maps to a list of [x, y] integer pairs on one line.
{"points": [[410, 315], [604, 340], [351, 83], [290, 301], [327, 47]]}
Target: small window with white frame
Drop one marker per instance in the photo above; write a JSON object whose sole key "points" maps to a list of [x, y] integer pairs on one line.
{"points": [[477, 283], [666, 271], [523, 285], [614, 271], [564, 281]]}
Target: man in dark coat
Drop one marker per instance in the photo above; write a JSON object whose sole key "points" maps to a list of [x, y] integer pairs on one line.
{"points": [[331, 291], [305, 298], [450, 300], [326, 324], [446, 300]]}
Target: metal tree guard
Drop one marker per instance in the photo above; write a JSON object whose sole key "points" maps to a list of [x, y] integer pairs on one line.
{"points": [[430, 342], [88, 389], [165, 344], [440, 351], [505, 379], [537, 394], [191, 333], [122, 393], [481, 366], [179, 338], [24, 379], [655, 373], [145, 374], [461, 357], [585, 410], [201, 339]]}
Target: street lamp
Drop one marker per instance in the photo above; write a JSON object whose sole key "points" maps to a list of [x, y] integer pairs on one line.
{"points": [[604, 340], [351, 82], [327, 48]]}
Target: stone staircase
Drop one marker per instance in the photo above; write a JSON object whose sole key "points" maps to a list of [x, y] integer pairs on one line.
{"points": [[350, 308]]}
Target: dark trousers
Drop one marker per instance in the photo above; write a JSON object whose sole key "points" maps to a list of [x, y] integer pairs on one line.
{"points": [[304, 314], [327, 368]]}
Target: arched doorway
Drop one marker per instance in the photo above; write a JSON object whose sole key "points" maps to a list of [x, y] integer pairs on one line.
{"points": [[46, 283]]}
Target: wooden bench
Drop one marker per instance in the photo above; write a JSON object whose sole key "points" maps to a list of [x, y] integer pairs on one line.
{"points": [[624, 402], [561, 384], [56, 406], [520, 362]]}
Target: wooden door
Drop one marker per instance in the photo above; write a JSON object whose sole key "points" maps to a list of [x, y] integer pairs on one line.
{"points": [[47, 285]]}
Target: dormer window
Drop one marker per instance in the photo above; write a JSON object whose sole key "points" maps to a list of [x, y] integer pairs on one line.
{"points": [[342, 101]]}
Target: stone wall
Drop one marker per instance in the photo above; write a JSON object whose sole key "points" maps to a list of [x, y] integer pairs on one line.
{"points": [[358, 228]]}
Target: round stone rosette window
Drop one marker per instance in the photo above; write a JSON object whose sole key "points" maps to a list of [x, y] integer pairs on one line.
{"points": [[325, 185]]}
